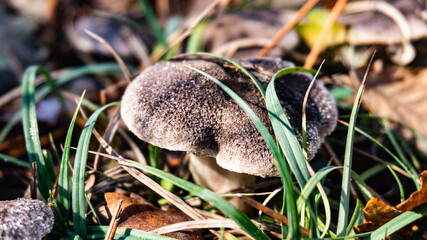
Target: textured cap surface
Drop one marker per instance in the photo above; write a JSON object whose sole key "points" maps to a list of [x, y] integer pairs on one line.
{"points": [[174, 107], [25, 219]]}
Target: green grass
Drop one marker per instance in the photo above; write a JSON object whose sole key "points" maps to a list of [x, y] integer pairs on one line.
{"points": [[301, 202], [78, 194], [343, 214]]}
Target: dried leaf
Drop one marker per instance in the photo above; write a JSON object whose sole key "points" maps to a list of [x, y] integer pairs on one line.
{"points": [[139, 214], [400, 94], [417, 198], [377, 213]]}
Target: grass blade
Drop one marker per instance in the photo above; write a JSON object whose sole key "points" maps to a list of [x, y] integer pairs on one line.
{"points": [[195, 41], [124, 233], [50, 169], [237, 65], [31, 130], [63, 197], [101, 68], [415, 179], [152, 20], [258, 123], [284, 131], [356, 216], [311, 184], [399, 184], [78, 194], [400, 153], [16, 161], [288, 141], [343, 214]]}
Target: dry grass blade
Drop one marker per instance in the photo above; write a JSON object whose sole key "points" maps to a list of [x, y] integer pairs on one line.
{"points": [[209, 224], [304, 137], [270, 212], [288, 27], [304, 110], [119, 60], [230, 48], [175, 200], [17, 91], [317, 47], [140, 50], [188, 31], [268, 199], [136, 150]]}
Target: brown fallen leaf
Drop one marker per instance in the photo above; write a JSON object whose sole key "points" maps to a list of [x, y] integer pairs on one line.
{"points": [[400, 94], [377, 213], [397, 93], [417, 198], [139, 214]]}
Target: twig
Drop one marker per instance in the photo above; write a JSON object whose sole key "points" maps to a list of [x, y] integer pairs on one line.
{"points": [[285, 29], [317, 47], [113, 223], [270, 212], [34, 180]]}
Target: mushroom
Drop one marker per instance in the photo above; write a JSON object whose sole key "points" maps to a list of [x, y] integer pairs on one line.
{"points": [[243, 34], [176, 108], [391, 23]]}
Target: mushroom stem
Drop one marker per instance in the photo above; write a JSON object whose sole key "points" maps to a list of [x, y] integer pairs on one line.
{"points": [[207, 173]]}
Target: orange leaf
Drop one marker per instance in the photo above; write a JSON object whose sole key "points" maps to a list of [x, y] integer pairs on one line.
{"points": [[417, 198], [377, 213]]}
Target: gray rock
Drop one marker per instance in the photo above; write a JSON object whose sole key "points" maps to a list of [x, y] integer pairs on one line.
{"points": [[25, 219]]}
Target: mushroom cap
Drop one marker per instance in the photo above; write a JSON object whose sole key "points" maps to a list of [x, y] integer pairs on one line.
{"points": [[255, 26], [176, 108], [376, 28]]}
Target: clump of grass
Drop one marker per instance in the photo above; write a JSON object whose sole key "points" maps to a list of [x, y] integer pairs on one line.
{"points": [[301, 203]]}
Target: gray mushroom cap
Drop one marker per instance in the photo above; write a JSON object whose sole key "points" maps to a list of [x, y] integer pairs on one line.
{"points": [[176, 108]]}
